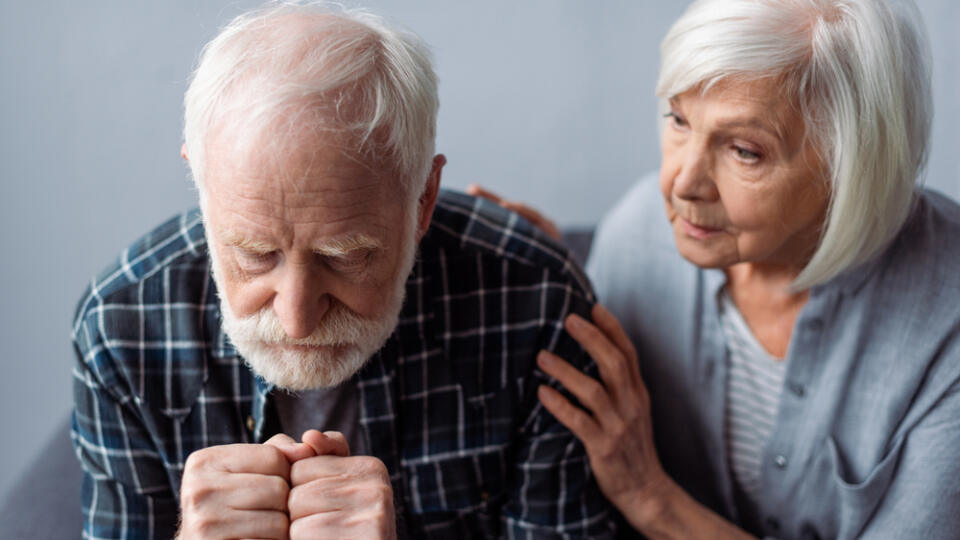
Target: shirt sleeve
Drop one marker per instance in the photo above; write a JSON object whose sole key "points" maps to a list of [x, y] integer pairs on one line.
{"points": [[553, 493], [126, 493]]}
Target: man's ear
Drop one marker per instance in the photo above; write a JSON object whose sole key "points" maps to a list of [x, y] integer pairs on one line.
{"points": [[183, 152], [428, 199]]}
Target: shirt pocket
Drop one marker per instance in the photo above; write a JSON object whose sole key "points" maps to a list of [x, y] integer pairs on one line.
{"points": [[859, 495], [456, 497]]}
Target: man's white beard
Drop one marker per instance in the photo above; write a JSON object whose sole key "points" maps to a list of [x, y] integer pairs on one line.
{"points": [[346, 339]]}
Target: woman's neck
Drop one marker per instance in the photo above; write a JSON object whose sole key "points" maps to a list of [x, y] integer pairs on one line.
{"points": [[769, 306]]}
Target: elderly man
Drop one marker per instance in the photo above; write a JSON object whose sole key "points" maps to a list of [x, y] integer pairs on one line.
{"points": [[331, 346]]}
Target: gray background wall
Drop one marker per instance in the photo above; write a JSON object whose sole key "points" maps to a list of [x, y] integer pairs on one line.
{"points": [[547, 101]]}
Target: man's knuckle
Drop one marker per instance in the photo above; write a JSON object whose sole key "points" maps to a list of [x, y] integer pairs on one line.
{"points": [[300, 497], [278, 487], [384, 495], [203, 526], [194, 494], [301, 471], [370, 466], [274, 458], [197, 460], [278, 523]]}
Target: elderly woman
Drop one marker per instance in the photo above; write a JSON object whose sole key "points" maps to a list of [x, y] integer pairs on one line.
{"points": [[789, 363]]}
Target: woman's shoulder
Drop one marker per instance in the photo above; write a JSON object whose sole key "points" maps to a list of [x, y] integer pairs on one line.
{"points": [[937, 217], [926, 253], [637, 272], [634, 229], [634, 241]]}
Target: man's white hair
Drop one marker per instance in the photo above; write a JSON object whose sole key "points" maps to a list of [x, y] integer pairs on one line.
{"points": [[277, 74], [859, 72]]}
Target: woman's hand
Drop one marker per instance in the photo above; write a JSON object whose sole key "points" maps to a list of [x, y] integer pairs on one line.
{"points": [[530, 214], [617, 432]]}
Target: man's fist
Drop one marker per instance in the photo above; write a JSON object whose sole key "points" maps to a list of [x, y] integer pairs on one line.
{"points": [[235, 491], [337, 496]]}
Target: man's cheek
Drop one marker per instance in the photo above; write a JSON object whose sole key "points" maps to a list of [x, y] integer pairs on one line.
{"points": [[247, 299]]}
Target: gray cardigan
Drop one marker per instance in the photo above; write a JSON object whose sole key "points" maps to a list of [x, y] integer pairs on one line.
{"points": [[867, 436]]}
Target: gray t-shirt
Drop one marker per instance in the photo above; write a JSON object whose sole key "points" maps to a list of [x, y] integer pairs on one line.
{"points": [[325, 409]]}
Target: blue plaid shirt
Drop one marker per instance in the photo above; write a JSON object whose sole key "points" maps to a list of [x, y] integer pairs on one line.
{"points": [[448, 404]]}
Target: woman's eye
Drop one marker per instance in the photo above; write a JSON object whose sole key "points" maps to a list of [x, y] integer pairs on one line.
{"points": [[746, 155], [676, 119]]}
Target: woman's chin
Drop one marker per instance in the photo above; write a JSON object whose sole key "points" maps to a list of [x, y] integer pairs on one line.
{"points": [[708, 252]]}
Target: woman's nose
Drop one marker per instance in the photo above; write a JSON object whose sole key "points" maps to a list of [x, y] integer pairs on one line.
{"points": [[694, 178]]}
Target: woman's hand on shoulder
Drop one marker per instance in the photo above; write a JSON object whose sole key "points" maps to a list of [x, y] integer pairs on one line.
{"points": [[529, 213], [616, 430]]}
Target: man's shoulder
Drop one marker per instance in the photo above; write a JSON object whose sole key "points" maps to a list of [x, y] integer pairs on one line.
{"points": [[176, 244], [155, 303], [467, 228]]}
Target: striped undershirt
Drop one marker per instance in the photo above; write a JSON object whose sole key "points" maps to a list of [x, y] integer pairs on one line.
{"points": [[754, 383]]}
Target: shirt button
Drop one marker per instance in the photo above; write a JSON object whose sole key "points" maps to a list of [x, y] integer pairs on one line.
{"points": [[250, 423], [780, 461], [797, 388]]}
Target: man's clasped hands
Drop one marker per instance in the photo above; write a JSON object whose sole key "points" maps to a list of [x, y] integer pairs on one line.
{"points": [[283, 489]]}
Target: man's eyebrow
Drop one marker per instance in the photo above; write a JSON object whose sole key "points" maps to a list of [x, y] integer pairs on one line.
{"points": [[234, 239], [343, 245], [334, 247]]}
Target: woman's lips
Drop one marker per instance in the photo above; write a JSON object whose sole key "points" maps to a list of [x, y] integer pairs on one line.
{"points": [[698, 231]]}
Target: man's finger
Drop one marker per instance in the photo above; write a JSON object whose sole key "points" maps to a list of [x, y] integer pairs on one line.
{"points": [[254, 492], [331, 443], [240, 458], [260, 524], [310, 469], [290, 448]]}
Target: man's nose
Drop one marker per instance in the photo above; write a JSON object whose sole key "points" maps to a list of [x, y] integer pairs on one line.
{"points": [[300, 301], [694, 180]]}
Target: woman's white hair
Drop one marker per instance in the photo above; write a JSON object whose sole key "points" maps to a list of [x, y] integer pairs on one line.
{"points": [[859, 72], [291, 69]]}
